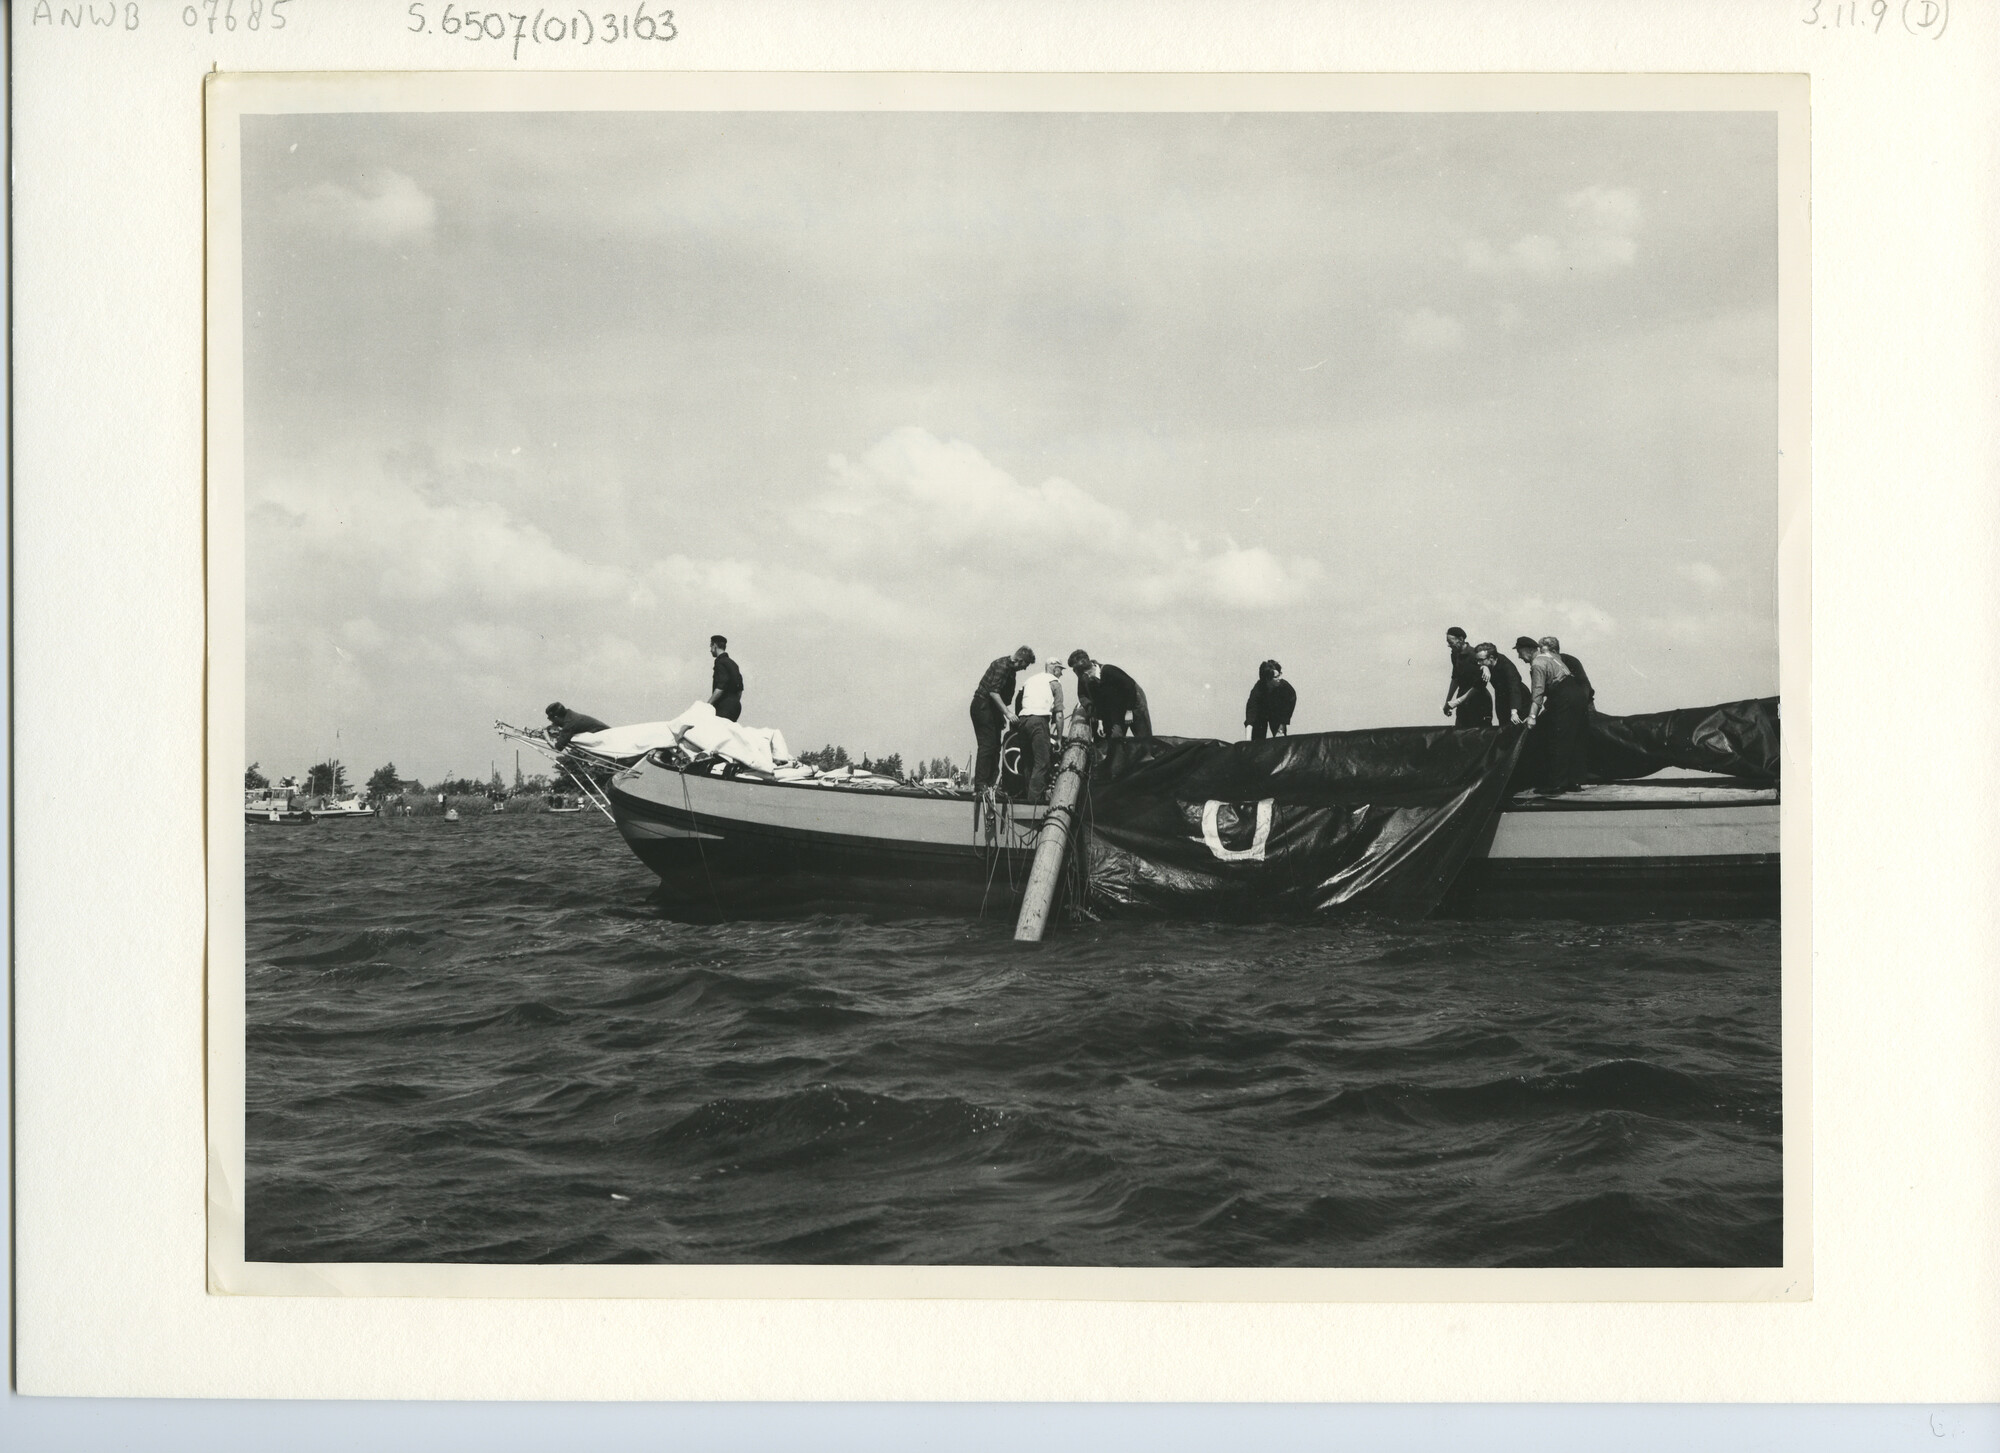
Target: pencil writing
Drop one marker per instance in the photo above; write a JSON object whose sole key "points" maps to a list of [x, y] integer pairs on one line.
{"points": [[547, 27]]}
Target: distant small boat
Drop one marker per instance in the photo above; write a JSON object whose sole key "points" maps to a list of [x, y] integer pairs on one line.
{"points": [[451, 814], [273, 808], [558, 802], [349, 810], [281, 816]]}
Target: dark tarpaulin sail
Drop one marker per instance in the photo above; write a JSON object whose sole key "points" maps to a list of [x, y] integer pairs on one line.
{"points": [[1738, 738], [1381, 819]]}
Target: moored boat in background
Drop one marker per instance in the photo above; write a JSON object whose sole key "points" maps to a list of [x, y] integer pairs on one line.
{"points": [[275, 808], [348, 809], [286, 817]]}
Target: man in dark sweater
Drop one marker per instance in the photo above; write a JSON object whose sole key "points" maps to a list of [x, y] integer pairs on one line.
{"points": [[1282, 700], [1465, 699], [564, 724], [1257, 710], [1272, 701], [1510, 693], [727, 682], [1111, 696]]}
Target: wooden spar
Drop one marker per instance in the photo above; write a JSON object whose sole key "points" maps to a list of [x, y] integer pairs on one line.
{"points": [[1046, 874]]}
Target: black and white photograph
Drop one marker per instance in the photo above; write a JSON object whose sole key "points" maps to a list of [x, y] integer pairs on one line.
{"points": [[1167, 685]]}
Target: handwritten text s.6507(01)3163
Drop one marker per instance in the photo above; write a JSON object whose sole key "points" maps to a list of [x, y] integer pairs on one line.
{"points": [[641, 24]]}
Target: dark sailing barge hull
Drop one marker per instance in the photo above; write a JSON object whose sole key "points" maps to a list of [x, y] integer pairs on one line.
{"points": [[735, 846], [731, 846]]}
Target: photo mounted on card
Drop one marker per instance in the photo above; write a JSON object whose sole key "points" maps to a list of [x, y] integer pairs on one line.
{"points": [[1034, 686]]}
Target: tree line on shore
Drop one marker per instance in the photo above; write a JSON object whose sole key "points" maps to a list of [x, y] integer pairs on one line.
{"points": [[329, 779]]}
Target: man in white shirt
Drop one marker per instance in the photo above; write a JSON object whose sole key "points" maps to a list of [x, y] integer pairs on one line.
{"points": [[1037, 704]]}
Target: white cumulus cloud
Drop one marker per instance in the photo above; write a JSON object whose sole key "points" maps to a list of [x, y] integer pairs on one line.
{"points": [[1252, 579], [386, 209], [950, 494], [1595, 232], [1704, 575], [770, 591], [1570, 620], [414, 548], [921, 501], [1429, 331]]}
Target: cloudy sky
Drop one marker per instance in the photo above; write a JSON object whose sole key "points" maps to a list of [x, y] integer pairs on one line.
{"points": [[537, 402]]}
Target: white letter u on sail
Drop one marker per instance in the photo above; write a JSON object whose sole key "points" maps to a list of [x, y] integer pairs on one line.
{"points": [[1211, 835]]}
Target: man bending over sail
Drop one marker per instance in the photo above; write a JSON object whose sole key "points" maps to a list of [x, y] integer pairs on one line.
{"points": [[1116, 702], [564, 724]]}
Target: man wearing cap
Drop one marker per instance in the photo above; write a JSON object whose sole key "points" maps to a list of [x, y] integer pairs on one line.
{"points": [[993, 713]]}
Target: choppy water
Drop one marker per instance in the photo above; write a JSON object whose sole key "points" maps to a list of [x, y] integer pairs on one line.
{"points": [[483, 1041]]}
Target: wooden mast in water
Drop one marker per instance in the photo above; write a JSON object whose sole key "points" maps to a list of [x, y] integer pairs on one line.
{"points": [[1046, 875]]}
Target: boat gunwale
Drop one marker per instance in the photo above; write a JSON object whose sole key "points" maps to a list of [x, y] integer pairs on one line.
{"points": [[959, 797], [965, 796], [1560, 805]]}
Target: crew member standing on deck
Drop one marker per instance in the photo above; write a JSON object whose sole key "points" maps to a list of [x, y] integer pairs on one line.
{"points": [[1116, 702], [1465, 699], [727, 682], [1575, 667], [993, 713], [1039, 704], [1559, 713], [1283, 702], [1257, 710]]}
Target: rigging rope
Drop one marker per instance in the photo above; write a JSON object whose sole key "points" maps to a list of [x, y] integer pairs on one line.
{"points": [[694, 826]]}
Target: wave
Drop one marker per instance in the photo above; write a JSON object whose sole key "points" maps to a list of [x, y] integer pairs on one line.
{"points": [[1633, 1228], [464, 1048], [1622, 1084], [825, 1122], [373, 943], [295, 1033]]}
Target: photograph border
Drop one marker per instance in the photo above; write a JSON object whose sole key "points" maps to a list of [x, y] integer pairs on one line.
{"points": [[230, 96]]}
